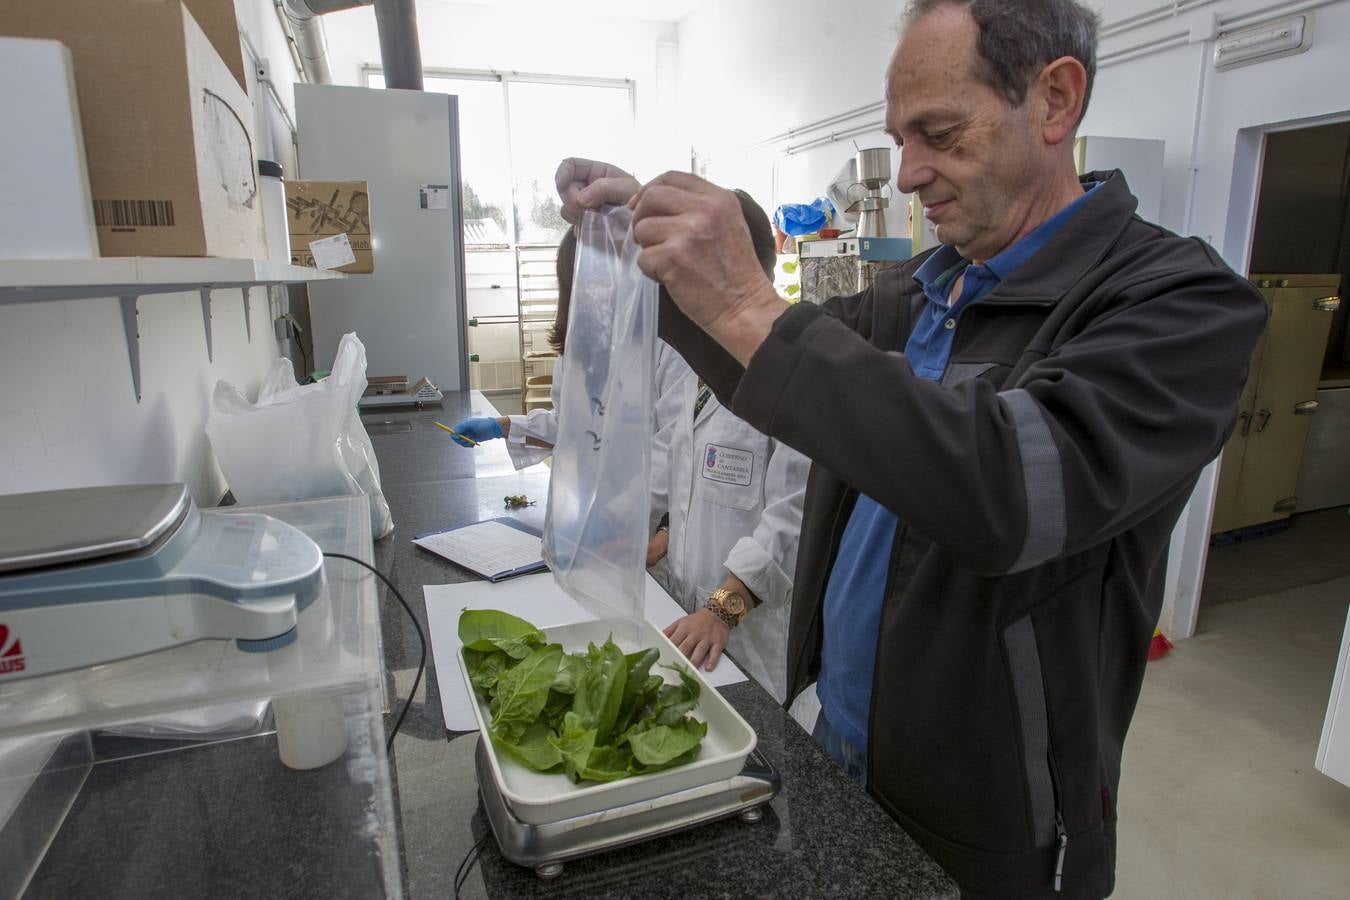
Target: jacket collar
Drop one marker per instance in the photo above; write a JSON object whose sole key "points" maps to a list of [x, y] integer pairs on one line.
{"points": [[1074, 249]]}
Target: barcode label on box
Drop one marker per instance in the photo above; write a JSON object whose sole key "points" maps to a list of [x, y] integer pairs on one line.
{"points": [[133, 213]]}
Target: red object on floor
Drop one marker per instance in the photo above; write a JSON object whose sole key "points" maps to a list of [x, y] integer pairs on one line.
{"points": [[1159, 647]]}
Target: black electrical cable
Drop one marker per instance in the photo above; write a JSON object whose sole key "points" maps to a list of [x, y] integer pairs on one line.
{"points": [[299, 339], [466, 865], [304, 357], [421, 664]]}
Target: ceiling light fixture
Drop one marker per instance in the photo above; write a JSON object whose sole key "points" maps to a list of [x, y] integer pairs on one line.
{"points": [[1262, 42]]}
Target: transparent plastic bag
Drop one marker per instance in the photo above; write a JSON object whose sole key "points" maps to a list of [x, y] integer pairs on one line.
{"points": [[299, 441], [595, 532]]}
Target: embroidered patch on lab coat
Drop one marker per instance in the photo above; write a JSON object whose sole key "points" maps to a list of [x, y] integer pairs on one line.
{"points": [[728, 465]]}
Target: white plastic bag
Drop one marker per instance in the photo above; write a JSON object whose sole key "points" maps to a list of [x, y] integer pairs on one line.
{"points": [[595, 532], [300, 441]]}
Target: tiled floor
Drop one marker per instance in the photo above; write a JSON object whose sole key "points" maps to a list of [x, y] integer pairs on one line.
{"points": [[1219, 795]]}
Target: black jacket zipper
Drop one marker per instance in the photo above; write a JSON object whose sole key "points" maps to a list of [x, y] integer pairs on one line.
{"points": [[1061, 833]]}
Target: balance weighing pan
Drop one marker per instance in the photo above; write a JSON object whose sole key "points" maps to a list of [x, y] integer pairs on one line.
{"points": [[538, 798], [546, 848]]}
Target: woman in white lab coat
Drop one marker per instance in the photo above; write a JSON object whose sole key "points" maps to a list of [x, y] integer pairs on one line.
{"points": [[734, 501]]}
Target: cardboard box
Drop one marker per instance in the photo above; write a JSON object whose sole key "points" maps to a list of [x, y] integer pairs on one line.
{"points": [[322, 209], [167, 128], [221, 26]]}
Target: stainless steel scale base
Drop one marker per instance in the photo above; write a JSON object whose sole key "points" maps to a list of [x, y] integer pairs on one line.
{"points": [[546, 847]]}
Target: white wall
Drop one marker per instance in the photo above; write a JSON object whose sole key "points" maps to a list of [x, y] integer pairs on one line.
{"points": [[470, 36], [754, 69], [68, 415]]}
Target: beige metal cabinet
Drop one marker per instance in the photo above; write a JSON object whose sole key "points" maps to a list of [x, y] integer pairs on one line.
{"points": [[1259, 475]]}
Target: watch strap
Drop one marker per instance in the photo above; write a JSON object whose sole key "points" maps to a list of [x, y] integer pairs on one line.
{"points": [[717, 603], [726, 618]]}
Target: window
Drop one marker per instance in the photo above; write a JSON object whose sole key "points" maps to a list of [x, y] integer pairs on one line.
{"points": [[514, 129]]}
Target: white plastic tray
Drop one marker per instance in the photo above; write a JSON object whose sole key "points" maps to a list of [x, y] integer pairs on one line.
{"points": [[538, 799]]}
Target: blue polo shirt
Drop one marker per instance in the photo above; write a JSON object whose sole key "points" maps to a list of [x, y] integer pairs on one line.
{"points": [[857, 584]]}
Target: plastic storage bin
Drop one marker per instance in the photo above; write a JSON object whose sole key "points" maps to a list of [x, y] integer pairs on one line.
{"points": [[163, 775]]}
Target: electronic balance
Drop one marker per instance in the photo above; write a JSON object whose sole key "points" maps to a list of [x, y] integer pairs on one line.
{"points": [[93, 575], [546, 847]]}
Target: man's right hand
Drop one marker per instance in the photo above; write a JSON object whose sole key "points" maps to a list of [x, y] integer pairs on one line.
{"points": [[479, 430], [657, 547], [586, 184]]}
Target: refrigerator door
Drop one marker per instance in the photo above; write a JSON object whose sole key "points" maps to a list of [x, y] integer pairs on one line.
{"points": [[409, 313], [1324, 477], [1333, 752]]}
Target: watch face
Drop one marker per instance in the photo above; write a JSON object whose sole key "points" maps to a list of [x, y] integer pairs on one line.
{"points": [[734, 603]]}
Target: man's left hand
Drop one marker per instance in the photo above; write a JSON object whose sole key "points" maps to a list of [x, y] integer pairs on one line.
{"points": [[588, 184], [700, 636], [695, 241]]}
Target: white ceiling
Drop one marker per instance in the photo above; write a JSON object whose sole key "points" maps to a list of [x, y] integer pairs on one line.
{"points": [[647, 10]]}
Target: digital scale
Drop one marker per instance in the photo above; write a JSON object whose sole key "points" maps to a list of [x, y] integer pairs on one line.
{"points": [[92, 575], [546, 847]]}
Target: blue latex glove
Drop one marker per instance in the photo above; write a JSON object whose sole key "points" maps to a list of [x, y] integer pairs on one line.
{"points": [[476, 429]]}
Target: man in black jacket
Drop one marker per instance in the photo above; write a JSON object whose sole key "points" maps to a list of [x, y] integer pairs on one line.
{"points": [[1004, 432]]}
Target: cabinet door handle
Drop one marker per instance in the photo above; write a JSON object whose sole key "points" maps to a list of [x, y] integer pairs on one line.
{"points": [[1246, 418], [1265, 415], [1327, 304], [1306, 408]]}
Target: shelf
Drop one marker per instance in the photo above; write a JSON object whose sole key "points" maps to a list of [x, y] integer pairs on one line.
{"points": [[28, 280], [128, 278]]}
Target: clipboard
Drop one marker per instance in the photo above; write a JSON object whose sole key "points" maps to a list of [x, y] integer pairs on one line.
{"points": [[475, 553]]}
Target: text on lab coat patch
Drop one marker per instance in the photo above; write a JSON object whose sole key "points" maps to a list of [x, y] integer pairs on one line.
{"points": [[728, 465]]}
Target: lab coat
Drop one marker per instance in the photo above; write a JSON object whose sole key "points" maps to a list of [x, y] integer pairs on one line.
{"points": [[735, 501], [540, 424]]}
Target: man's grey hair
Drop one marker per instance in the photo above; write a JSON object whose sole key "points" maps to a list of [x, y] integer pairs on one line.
{"points": [[1019, 38]]}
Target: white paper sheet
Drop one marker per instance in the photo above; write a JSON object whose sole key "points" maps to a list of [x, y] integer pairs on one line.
{"points": [[488, 548], [332, 252], [536, 598]]}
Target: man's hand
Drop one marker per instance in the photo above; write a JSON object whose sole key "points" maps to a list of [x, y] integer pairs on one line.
{"points": [[695, 241], [700, 636], [657, 547], [585, 184]]}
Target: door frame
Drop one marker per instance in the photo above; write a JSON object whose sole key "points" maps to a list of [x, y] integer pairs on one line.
{"points": [[1189, 550]]}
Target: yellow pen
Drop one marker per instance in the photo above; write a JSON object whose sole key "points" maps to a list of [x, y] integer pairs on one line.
{"points": [[471, 441]]}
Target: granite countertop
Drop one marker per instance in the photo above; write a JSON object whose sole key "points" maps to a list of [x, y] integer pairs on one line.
{"points": [[822, 835]]}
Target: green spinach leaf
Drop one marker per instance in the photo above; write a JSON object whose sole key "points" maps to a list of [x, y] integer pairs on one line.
{"points": [[490, 629], [569, 673], [637, 687], [675, 700], [575, 743], [533, 749], [484, 667], [600, 690], [523, 689], [660, 745], [607, 764]]}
